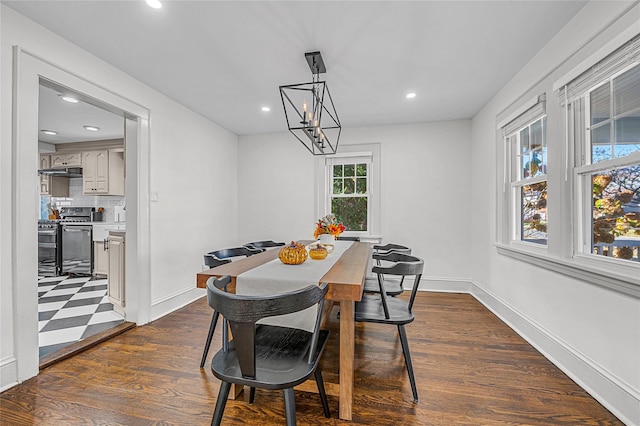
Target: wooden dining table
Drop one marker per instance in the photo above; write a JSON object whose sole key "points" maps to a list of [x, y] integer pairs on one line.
{"points": [[346, 283]]}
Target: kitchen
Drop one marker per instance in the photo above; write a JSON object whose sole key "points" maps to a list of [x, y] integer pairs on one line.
{"points": [[82, 218]]}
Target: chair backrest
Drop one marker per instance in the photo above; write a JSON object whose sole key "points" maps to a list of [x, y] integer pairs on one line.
{"points": [[392, 248], [349, 238], [413, 266], [395, 256], [212, 261], [232, 252], [222, 256], [242, 313], [260, 245]]}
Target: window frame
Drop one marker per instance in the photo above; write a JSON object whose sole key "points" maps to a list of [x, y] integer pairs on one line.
{"points": [[335, 160], [324, 171], [517, 182], [585, 168], [510, 219], [569, 180]]}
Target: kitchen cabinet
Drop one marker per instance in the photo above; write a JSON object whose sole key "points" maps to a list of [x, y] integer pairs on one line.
{"points": [[115, 288], [103, 172], [95, 174], [100, 236], [45, 161], [52, 186], [101, 257], [66, 160]]}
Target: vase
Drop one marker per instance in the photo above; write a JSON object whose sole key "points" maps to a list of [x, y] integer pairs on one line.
{"points": [[326, 238]]}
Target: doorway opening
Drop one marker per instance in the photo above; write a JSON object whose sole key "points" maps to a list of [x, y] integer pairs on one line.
{"points": [[22, 312], [82, 154]]}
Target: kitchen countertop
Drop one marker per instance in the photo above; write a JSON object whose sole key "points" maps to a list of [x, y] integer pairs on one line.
{"points": [[101, 229]]}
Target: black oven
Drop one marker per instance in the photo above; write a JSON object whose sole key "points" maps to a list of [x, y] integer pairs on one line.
{"points": [[49, 249]]}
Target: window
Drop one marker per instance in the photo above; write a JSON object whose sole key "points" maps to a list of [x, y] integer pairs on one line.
{"points": [[526, 148], [604, 115], [349, 186], [349, 196], [590, 184]]}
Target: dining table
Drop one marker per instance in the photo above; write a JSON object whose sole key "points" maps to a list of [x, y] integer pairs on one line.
{"points": [[345, 280]]}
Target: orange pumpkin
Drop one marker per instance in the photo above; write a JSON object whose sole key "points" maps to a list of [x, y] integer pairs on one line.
{"points": [[293, 254]]}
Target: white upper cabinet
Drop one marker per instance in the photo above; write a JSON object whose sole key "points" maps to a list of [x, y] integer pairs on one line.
{"points": [[103, 172], [95, 174], [45, 161], [66, 160]]}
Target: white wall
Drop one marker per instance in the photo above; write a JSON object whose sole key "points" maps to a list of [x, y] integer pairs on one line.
{"points": [[592, 333], [187, 155], [425, 194]]}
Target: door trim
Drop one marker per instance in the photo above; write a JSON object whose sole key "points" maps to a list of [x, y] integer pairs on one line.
{"points": [[28, 68]]}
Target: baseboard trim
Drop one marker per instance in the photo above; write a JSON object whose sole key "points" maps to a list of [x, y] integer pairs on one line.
{"points": [[8, 373], [175, 301], [445, 285], [614, 394]]}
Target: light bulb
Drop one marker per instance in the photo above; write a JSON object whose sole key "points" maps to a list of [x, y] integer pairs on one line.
{"points": [[154, 4]]}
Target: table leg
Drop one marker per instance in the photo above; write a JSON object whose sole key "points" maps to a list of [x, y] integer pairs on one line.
{"points": [[347, 358]]}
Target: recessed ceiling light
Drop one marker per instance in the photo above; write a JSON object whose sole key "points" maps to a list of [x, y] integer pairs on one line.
{"points": [[69, 99], [266, 109], [92, 128], [154, 4], [411, 95], [49, 132]]}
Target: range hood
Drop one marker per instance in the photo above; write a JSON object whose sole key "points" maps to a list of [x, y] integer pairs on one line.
{"points": [[66, 172]]}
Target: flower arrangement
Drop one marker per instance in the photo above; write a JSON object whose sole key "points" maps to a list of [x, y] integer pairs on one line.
{"points": [[329, 225]]}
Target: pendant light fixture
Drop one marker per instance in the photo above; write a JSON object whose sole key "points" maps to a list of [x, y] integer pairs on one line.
{"points": [[309, 110]]}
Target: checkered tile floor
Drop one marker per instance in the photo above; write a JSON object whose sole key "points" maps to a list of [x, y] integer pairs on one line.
{"points": [[72, 309]]}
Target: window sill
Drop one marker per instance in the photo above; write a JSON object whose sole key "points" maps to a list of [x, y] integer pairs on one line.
{"points": [[365, 238], [577, 268]]}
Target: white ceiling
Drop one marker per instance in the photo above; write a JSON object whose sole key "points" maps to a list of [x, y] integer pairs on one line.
{"points": [[226, 59], [69, 119]]}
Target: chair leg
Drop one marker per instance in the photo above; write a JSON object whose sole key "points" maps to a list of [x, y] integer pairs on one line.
{"points": [[289, 406], [212, 328], [323, 395], [221, 402], [252, 395], [407, 361]]}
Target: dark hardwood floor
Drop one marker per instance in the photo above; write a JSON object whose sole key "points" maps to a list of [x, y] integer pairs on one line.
{"points": [[470, 367]]}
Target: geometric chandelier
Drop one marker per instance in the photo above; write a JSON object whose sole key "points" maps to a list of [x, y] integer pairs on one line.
{"points": [[309, 110]]}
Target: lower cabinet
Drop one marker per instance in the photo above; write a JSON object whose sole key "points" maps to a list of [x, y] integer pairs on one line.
{"points": [[116, 289], [101, 257]]}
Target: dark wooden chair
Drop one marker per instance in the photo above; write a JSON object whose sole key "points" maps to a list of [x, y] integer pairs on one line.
{"points": [[265, 356], [387, 249], [381, 309], [213, 259], [390, 248], [262, 245], [222, 256], [349, 238], [394, 286]]}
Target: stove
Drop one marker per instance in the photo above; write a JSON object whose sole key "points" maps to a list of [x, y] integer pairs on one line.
{"points": [[49, 248], [76, 214], [65, 245]]}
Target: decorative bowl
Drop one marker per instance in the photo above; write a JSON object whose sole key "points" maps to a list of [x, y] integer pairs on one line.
{"points": [[318, 252], [293, 254]]}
